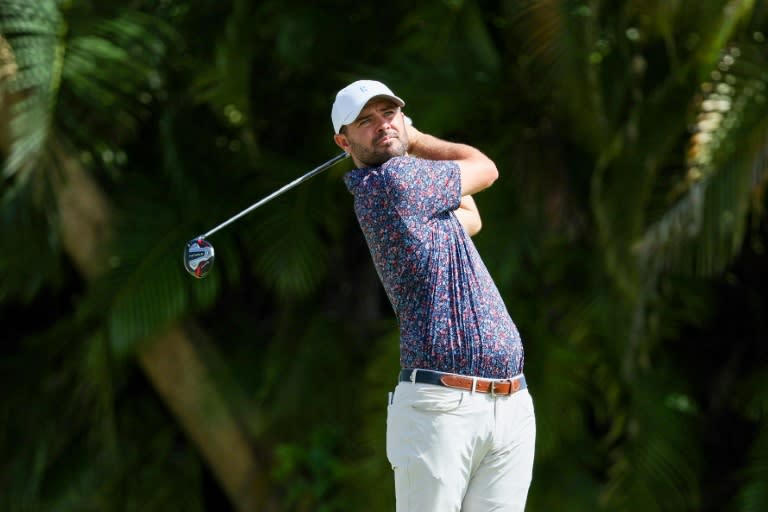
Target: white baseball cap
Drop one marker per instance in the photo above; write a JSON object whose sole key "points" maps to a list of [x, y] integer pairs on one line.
{"points": [[351, 100]]}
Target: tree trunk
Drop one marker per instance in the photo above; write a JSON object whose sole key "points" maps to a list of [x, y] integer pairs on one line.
{"points": [[172, 361]]}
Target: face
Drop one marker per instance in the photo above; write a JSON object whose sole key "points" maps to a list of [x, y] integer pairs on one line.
{"points": [[377, 134]]}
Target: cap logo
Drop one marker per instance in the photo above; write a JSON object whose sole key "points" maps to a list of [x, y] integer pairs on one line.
{"points": [[363, 88]]}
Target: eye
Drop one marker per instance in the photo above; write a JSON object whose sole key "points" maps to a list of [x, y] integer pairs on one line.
{"points": [[364, 122]]}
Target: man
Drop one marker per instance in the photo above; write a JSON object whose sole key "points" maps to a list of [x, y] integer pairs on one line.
{"points": [[460, 423]]}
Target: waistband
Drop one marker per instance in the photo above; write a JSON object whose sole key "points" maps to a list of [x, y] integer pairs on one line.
{"points": [[453, 380]]}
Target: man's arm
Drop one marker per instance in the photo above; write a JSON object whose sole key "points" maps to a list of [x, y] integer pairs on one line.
{"points": [[469, 215], [478, 172]]}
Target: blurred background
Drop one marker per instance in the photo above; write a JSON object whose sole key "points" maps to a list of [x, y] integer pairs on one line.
{"points": [[627, 234]]}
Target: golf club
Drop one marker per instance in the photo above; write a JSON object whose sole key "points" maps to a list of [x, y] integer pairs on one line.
{"points": [[199, 253]]}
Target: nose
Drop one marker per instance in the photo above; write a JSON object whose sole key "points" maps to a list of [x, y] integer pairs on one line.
{"points": [[382, 123]]}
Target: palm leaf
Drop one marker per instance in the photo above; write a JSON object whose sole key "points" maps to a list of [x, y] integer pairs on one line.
{"points": [[31, 258], [106, 72], [753, 496], [147, 288], [656, 467], [584, 52], [704, 228], [289, 255], [80, 449], [225, 86], [111, 78], [561, 37], [753, 493], [32, 30]]}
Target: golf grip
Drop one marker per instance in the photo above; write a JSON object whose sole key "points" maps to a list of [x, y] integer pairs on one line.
{"points": [[298, 181]]}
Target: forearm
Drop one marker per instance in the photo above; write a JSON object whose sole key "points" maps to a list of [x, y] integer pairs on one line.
{"points": [[430, 147], [478, 172]]}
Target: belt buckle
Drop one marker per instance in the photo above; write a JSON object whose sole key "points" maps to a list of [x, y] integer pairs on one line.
{"points": [[513, 386]]}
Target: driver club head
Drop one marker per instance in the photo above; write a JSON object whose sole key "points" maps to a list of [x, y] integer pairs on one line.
{"points": [[198, 254], [198, 257]]}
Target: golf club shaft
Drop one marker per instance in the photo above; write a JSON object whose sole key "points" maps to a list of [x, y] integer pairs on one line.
{"points": [[298, 181]]}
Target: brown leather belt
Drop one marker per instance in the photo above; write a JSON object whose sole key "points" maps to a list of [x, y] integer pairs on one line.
{"points": [[453, 380]]}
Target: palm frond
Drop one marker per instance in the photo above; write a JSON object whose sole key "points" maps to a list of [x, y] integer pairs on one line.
{"points": [[564, 46], [726, 168], [111, 77], [31, 258], [753, 493], [723, 20], [146, 287], [77, 449], [149, 296], [227, 82], [463, 21], [107, 70], [33, 32], [656, 467], [289, 255]]}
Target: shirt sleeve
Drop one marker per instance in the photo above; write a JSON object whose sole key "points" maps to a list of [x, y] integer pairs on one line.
{"points": [[423, 187]]}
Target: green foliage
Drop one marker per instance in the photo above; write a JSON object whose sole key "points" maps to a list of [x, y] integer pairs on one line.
{"points": [[626, 234], [310, 472], [702, 231], [753, 495], [98, 439], [32, 29], [23, 273]]}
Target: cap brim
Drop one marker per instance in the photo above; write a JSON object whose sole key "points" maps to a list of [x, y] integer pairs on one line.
{"points": [[398, 101]]}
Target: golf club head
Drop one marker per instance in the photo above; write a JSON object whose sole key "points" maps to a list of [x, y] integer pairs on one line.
{"points": [[198, 257]]}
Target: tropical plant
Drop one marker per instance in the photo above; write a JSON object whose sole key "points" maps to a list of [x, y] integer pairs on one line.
{"points": [[77, 87], [626, 234], [629, 75]]}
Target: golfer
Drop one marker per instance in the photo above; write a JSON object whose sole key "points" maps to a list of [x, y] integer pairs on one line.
{"points": [[460, 422]]}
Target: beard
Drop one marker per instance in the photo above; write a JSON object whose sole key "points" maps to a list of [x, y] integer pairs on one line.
{"points": [[376, 154]]}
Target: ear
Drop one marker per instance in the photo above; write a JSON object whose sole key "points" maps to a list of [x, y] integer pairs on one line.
{"points": [[341, 140]]}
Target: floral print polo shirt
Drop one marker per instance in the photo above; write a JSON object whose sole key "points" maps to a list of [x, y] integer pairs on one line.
{"points": [[449, 310]]}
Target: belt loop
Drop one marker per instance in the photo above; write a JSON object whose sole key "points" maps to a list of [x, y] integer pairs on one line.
{"points": [[474, 384], [413, 376]]}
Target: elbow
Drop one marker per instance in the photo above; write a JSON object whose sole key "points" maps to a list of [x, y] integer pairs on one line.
{"points": [[478, 176], [491, 174]]}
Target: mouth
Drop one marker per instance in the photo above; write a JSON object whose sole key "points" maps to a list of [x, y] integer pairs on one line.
{"points": [[386, 138]]}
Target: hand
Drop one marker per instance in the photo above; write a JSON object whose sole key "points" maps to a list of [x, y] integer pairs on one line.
{"points": [[411, 131]]}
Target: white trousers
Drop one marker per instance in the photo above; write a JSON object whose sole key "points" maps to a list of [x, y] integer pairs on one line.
{"points": [[456, 451]]}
